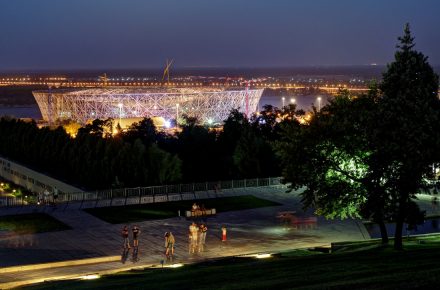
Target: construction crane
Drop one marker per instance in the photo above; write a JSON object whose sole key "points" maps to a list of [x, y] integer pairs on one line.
{"points": [[104, 78], [166, 71]]}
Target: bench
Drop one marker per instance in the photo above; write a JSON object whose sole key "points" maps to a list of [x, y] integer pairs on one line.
{"points": [[197, 213], [289, 219]]}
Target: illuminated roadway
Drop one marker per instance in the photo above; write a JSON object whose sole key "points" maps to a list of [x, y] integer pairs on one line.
{"points": [[63, 83]]}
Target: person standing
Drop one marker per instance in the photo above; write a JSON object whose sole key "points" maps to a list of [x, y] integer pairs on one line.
{"points": [[193, 229], [46, 196], [136, 231], [126, 242], [169, 244], [203, 230], [224, 233], [40, 198], [55, 194], [194, 209]]}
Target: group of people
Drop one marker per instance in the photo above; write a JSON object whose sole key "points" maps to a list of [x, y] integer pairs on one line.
{"points": [[197, 237], [45, 197], [198, 210], [135, 235], [169, 240]]}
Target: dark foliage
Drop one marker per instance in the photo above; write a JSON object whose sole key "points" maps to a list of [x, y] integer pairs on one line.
{"points": [[90, 160], [142, 156], [369, 156]]}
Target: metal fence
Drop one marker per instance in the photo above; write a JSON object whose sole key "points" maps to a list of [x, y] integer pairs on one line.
{"points": [[141, 195]]}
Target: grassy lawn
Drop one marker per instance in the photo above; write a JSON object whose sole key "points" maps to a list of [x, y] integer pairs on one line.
{"points": [[30, 223], [377, 268], [133, 213]]}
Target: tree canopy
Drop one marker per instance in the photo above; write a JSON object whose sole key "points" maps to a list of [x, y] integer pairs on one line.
{"points": [[368, 156]]}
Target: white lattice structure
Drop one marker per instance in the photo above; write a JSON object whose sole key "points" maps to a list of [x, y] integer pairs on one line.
{"points": [[207, 104]]}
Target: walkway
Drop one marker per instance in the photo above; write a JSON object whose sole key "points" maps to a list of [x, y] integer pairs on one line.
{"points": [[249, 231]]}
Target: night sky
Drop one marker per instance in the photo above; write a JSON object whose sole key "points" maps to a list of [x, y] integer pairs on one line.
{"points": [[96, 34]]}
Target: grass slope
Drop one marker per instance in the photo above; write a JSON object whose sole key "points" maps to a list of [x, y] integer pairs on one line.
{"points": [[378, 268], [134, 213]]}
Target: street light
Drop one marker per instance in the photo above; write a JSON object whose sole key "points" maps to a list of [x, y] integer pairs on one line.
{"points": [[319, 104], [292, 100], [283, 99], [177, 114], [120, 113]]}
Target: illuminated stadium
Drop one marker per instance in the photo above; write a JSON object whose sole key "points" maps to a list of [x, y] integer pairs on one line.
{"points": [[209, 105]]}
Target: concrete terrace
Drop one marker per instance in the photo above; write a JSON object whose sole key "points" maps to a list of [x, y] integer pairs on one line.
{"points": [[249, 231]]}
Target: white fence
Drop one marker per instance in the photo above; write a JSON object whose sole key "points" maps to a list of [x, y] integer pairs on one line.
{"points": [[141, 195]]}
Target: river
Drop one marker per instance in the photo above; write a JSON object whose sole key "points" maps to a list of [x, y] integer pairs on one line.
{"points": [[303, 102]]}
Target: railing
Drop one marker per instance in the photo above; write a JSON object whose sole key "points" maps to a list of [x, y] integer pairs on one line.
{"points": [[140, 195]]}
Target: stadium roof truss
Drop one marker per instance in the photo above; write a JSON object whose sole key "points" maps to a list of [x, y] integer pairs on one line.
{"points": [[208, 105]]}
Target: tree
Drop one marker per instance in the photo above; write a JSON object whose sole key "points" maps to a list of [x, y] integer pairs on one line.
{"points": [[196, 147], [407, 136], [267, 121], [368, 156], [98, 128], [324, 157], [331, 157], [162, 166], [144, 130], [247, 154]]}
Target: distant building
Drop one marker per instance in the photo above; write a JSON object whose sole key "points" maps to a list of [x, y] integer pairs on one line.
{"points": [[209, 105]]}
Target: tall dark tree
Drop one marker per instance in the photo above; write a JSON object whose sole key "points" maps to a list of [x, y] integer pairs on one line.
{"points": [[98, 128], [407, 136], [196, 147], [145, 130], [267, 121], [228, 139], [247, 154], [368, 156]]}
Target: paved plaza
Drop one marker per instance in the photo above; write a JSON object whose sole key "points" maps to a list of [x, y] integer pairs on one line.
{"points": [[249, 231]]}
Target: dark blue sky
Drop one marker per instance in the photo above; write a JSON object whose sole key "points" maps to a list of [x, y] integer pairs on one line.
{"points": [[96, 34]]}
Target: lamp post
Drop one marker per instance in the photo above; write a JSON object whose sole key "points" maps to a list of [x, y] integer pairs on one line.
{"points": [[319, 104], [177, 114], [120, 113]]}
